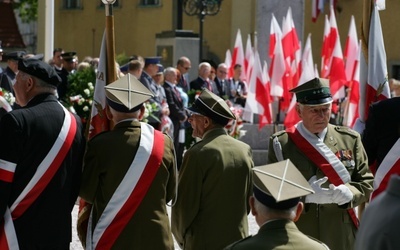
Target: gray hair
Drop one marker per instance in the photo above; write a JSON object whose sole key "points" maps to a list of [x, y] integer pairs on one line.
{"points": [[169, 71], [289, 213]]}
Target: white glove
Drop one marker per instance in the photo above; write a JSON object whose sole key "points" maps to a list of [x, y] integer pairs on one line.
{"points": [[321, 195], [341, 194]]}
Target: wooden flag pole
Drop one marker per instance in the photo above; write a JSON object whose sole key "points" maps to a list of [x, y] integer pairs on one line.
{"points": [[110, 38]]}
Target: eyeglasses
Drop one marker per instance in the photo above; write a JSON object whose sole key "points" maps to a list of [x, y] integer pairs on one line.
{"points": [[187, 68], [223, 72]]}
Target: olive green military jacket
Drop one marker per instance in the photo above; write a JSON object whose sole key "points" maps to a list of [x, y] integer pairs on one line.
{"points": [[331, 223], [107, 159], [279, 234], [215, 184]]}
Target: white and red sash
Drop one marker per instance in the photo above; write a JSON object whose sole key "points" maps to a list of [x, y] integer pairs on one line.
{"points": [[43, 175], [320, 154], [130, 192], [389, 166]]}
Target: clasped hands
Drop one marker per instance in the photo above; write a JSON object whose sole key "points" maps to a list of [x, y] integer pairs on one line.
{"points": [[334, 194]]}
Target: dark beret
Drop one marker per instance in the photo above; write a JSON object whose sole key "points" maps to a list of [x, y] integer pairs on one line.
{"points": [[39, 69], [14, 55], [69, 56]]}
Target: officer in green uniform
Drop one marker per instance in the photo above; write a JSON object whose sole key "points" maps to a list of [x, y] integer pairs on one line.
{"points": [[129, 176], [276, 206], [214, 181], [334, 161]]}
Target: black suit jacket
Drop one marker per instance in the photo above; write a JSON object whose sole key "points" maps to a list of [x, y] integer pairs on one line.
{"points": [[198, 84], [176, 108], [223, 88], [382, 129], [183, 83], [27, 135]]}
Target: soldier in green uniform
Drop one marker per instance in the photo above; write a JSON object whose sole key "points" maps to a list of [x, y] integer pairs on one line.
{"points": [[214, 181], [276, 206], [129, 176], [332, 159]]}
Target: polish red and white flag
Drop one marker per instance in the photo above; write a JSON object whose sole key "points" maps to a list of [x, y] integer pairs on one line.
{"points": [[308, 73], [237, 55]]}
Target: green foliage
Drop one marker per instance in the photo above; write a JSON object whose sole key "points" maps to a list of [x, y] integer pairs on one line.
{"points": [[28, 10], [80, 92], [122, 58]]}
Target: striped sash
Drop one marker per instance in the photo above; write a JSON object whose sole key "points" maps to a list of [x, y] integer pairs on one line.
{"points": [[322, 157], [130, 192], [389, 166], [43, 175]]}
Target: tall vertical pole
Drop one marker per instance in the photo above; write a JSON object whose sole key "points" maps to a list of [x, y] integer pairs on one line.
{"points": [[367, 10], [201, 37], [110, 38]]}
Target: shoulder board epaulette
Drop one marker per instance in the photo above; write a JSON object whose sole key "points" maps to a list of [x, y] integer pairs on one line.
{"points": [[279, 133], [346, 130]]}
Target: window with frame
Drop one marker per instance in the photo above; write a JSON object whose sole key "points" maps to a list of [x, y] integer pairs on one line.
{"points": [[72, 4], [150, 2]]}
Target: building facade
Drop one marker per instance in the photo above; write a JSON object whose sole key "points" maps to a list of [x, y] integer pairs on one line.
{"points": [[79, 25]]}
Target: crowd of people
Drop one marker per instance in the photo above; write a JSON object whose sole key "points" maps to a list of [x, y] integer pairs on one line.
{"points": [[306, 197]]}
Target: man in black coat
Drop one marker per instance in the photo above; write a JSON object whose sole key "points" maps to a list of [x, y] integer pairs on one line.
{"points": [[177, 110], [202, 81], [41, 154], [382, 131], [8, 76], [221, 81]]}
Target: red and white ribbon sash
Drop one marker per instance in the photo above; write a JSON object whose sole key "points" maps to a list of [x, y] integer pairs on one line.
{"points": [[389, 166], [7, 170], [320, 154], [322, 157], [130, 192], [43, 175]]}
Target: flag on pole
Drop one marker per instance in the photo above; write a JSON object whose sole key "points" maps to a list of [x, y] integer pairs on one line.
{"points": [[337, 75], [267, 117], [290, 41], [291, 50], [352, 69], [308, 73], [274, 30], [351, 50], [351, 111], [249, 59], [325, 53], [279, 70], [238, 55], [99, 121], [373, 71], [258, 98], [315, 10]]}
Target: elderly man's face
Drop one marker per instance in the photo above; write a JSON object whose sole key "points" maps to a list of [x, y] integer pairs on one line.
{"points": [[197, 122], [222, 72], [23, 81], [315, 118]]}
